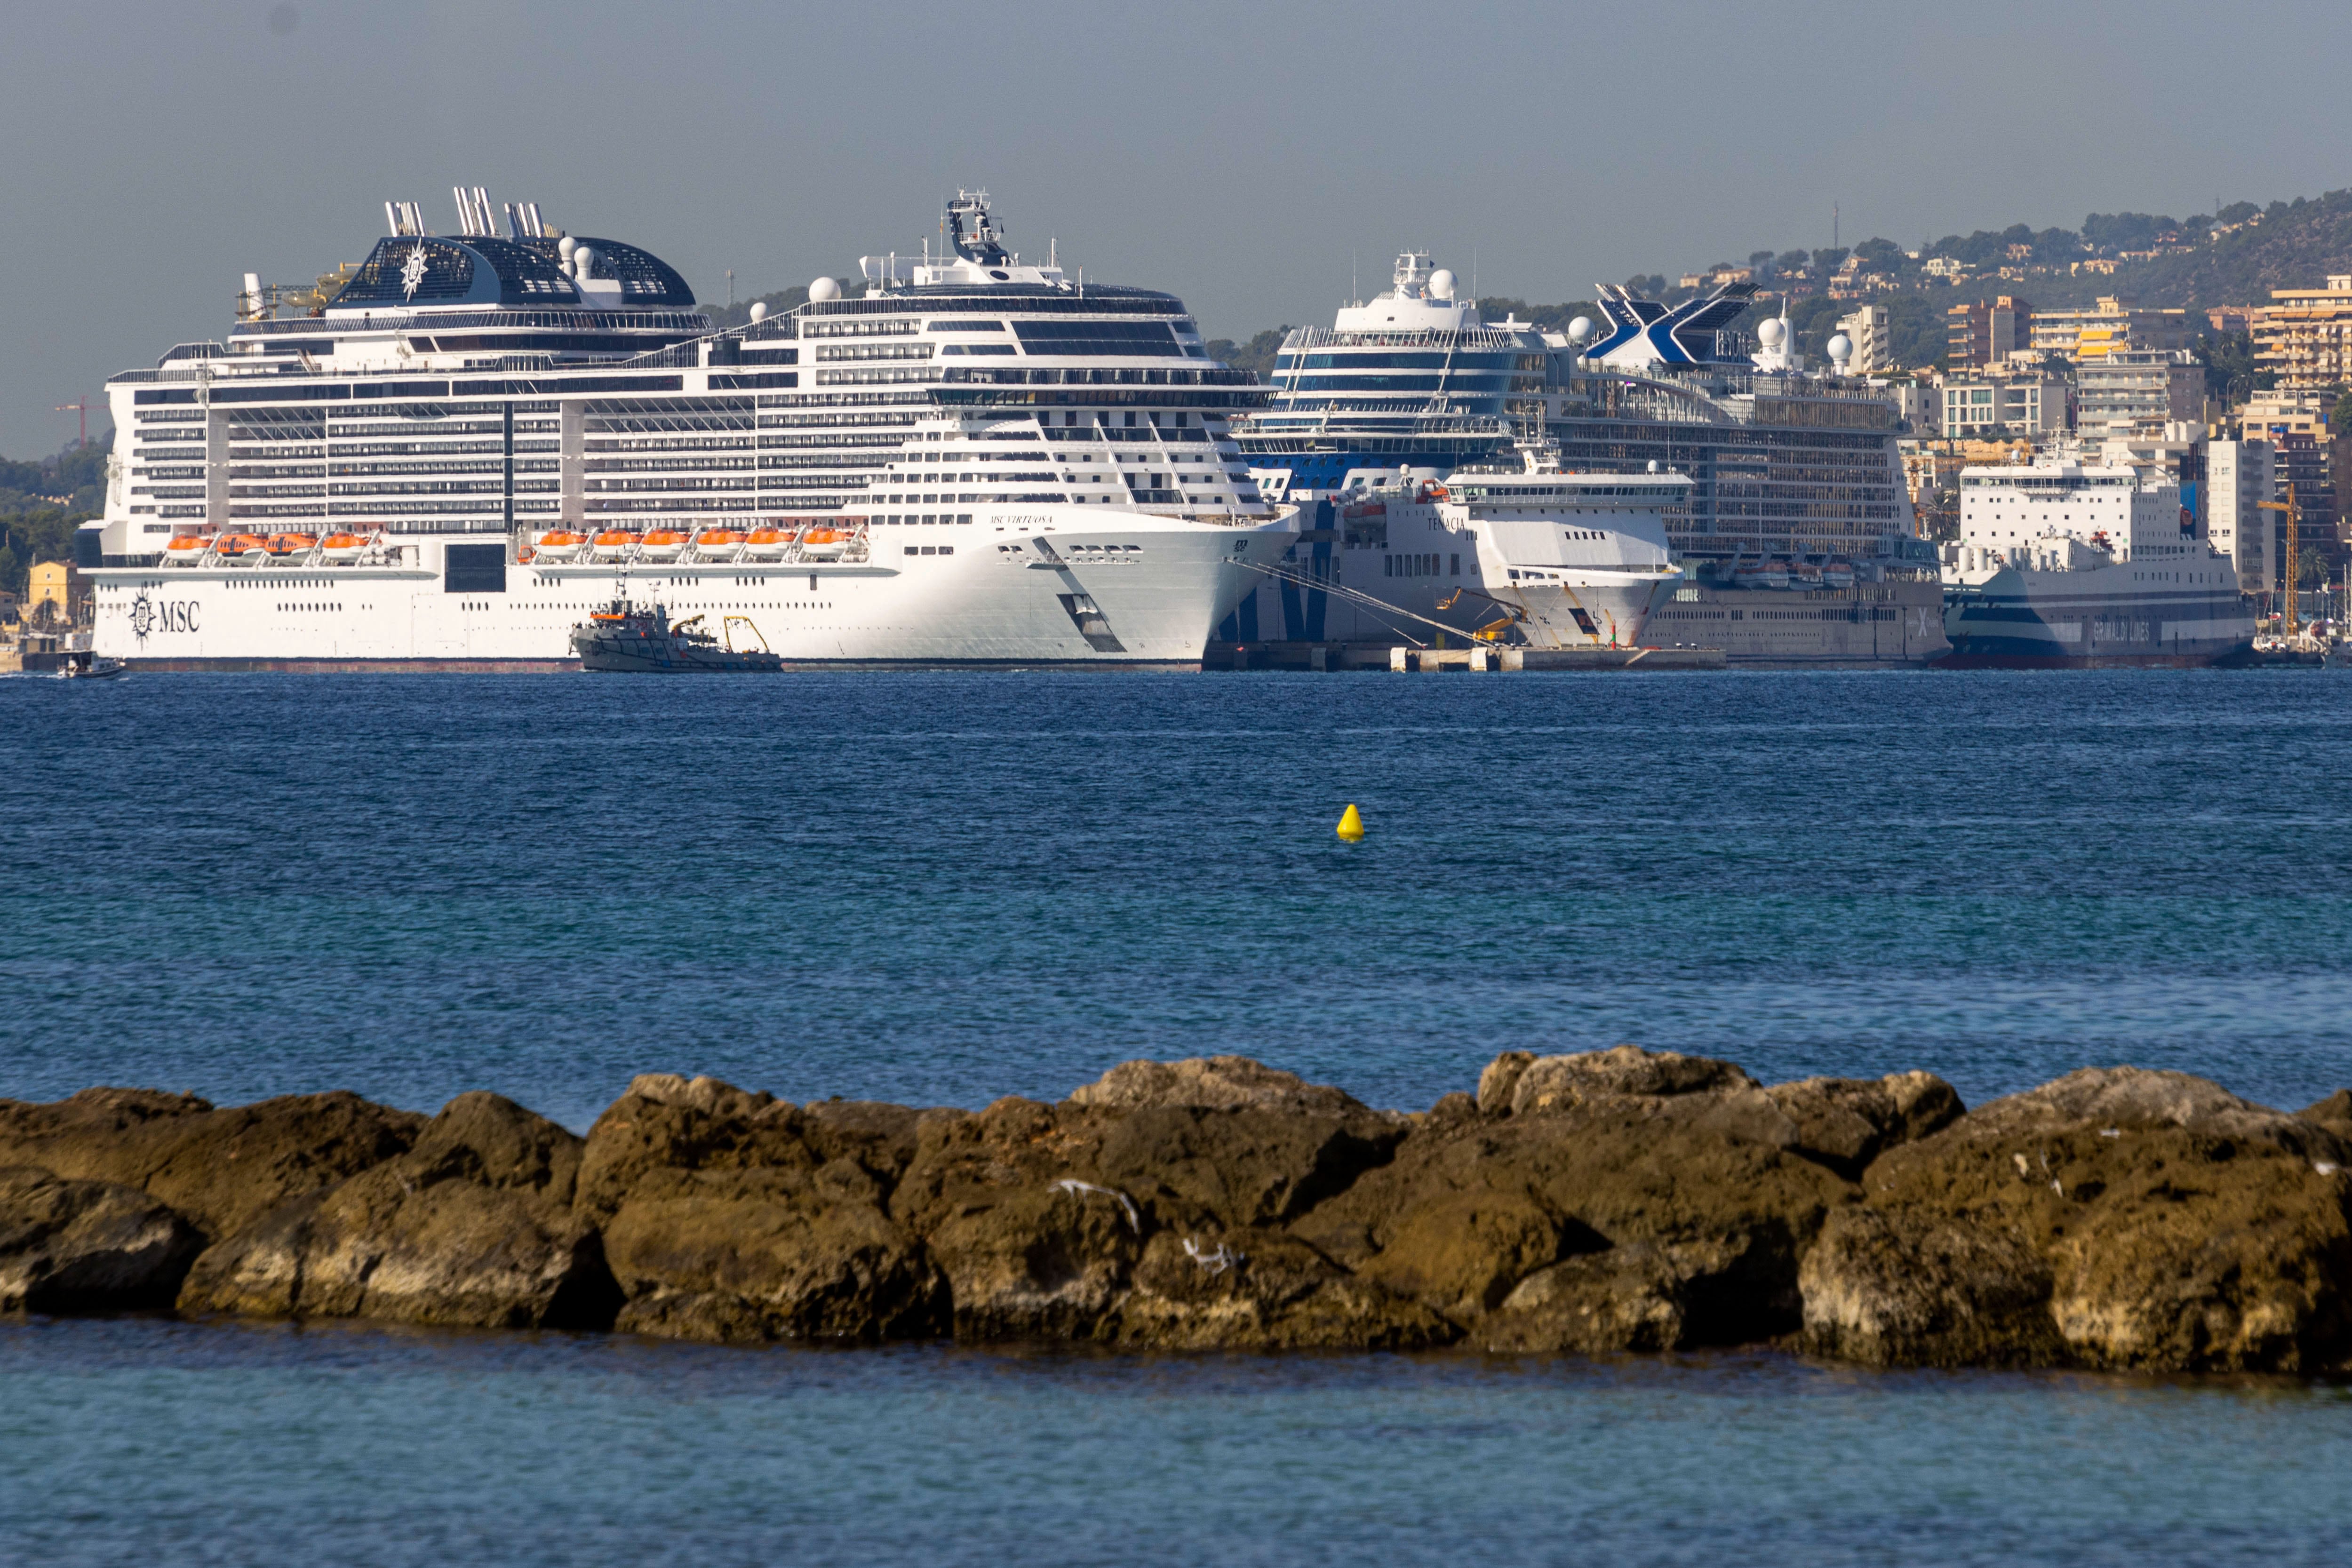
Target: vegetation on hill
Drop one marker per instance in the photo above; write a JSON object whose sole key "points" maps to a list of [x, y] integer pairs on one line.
{"points": [[42, 502]]}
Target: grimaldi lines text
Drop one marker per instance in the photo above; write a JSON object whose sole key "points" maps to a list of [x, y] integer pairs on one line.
{"points": [[450, 454]]}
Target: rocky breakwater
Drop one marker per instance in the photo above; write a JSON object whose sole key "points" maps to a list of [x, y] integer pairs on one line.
{"points": [[1618, 1200]]}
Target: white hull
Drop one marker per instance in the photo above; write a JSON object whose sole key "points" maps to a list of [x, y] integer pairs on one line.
{"points": [[1031, 584]]}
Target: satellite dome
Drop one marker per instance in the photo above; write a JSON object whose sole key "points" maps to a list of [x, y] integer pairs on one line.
{"points": [[565, 246], [1653, 464], [582, 260], [1840, 347], [825, 289], [1579, 330], [758, 309], [1769, 332], [1441, 284]]}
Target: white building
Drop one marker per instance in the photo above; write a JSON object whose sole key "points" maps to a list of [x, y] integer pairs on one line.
{"points": [[2238, 477], [2138, 389], [1871, 331], [2033, 404]]}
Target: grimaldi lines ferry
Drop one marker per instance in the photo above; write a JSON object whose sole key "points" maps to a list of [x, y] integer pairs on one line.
{"points": [[2062, 565], [453, 453]]}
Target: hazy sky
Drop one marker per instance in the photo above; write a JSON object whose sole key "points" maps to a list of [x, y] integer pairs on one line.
{"points": [[1238, 154]]}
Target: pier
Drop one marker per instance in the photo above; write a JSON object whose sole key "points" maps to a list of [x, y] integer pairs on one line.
{"points": [[1478, 658]]}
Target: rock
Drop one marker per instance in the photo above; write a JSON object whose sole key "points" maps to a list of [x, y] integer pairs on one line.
{"points": [[1626, 1299], [738, 1217], [71, 1246], [219, 1169], [1617, 1150], [2117, 1218], [1500, 1081], [1263, 1291], [1914, 1288], [1844, 1123], [1563, 1083], [2335, 1113], [1213, 1082], [1044, 1262], [472, 1228]]}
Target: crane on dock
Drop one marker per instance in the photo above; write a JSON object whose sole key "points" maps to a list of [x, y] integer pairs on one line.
{"points": [[2290, 624]]}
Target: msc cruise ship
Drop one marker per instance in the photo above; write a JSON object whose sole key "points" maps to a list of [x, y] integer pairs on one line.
{"points": [[450, 454]]}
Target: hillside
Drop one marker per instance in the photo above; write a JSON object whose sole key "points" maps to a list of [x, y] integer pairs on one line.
{"points": [[41, 502]]}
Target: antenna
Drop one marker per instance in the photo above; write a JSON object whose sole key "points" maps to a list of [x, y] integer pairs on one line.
{"points": [[1833, 225]]}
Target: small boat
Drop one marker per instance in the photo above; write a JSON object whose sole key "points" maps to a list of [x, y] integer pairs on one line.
{"points": [[561, 544], [185, 551], [288, 549], [1838, 574], [717, 544], [243, 549], [1763, 574], [341, 549], [824, 544], [663, 544], [625, 638], [614, 544], [87, 666], [770, 543]]}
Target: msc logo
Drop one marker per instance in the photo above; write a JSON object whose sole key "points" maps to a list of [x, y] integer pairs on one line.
{"points": [[148, 616]]}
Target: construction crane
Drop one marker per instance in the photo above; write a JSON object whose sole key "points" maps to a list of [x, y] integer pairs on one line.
{"points": [[2290, 624], [82, 407]]}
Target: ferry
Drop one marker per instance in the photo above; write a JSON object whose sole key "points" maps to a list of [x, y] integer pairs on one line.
{"points": [[1793, 530], [2062, 565], [447, 455]]}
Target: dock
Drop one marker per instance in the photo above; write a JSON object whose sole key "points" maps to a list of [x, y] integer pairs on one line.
{"points": [[1477, 658]]}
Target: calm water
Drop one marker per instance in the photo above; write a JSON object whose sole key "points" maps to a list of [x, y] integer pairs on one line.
{"points": [[942, 888]]}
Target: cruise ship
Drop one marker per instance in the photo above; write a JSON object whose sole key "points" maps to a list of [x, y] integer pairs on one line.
{"points": [[1794, 533], [2060, 565], [447, 455]]}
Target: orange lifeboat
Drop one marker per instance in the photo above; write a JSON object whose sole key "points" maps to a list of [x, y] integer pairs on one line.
{"points": [[664, 544], [185, 551], [562, 544], [824, 544], [614, 544], [770, 543], [341, 549], [285, 549], [717, 544], [244, 549]]}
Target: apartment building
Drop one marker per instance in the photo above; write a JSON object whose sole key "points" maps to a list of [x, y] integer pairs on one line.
{"points": [[2116, 324], [2238, 477], [2305, 336], [1978, 334], [2029, 403], [1871, 331], [2124, 392]]}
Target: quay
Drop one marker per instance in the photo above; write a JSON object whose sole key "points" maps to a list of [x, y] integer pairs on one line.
{"points": [[1477, 658]]}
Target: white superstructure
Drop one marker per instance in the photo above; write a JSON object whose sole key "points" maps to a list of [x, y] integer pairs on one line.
{"points": [[451, 453]]}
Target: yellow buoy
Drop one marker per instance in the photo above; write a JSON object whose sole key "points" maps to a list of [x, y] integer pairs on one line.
{"points": [[1351, 823]]}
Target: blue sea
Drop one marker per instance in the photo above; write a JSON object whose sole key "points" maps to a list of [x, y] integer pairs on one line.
{"points": [[941, 888]]}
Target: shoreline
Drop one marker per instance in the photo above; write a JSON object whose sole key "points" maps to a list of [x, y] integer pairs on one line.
{"points": [[2115, 1220]]}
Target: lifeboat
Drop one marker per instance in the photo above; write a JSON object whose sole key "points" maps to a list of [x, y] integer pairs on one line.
{"points": [[770, 543], [243, 549], [663, 544], [1763, 574], [185, 551], [1838, 574], [824, 544], [717, 544], [341, 549], [562, 544], [614, 544], [285, 549]]}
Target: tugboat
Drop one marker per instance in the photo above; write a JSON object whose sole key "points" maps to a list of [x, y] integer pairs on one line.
{"points": [[625, 638]]}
